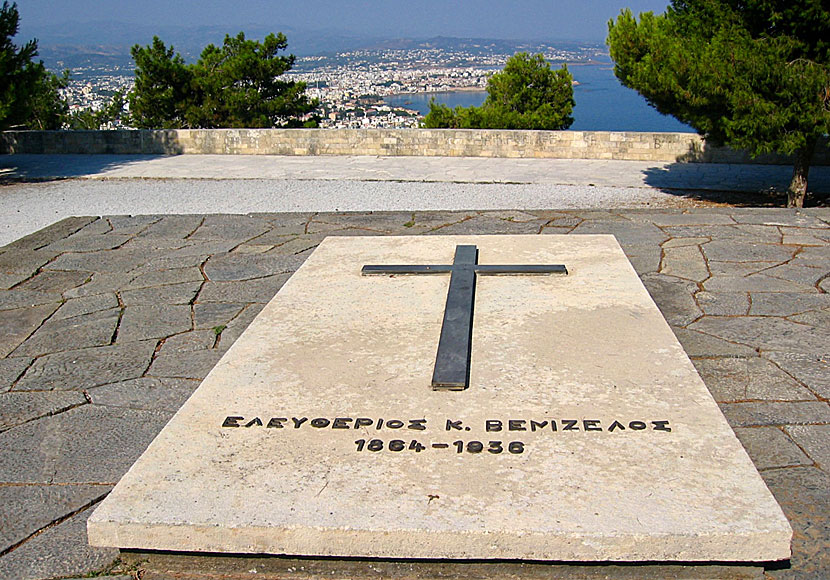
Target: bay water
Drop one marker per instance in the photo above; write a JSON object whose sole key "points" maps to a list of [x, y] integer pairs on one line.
{"points": [[602, 103]]}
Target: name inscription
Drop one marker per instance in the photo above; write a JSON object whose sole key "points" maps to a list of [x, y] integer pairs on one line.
{"points": [[488, 426]]}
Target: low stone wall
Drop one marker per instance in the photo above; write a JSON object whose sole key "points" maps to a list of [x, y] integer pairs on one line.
{"points": [[632, 146]]}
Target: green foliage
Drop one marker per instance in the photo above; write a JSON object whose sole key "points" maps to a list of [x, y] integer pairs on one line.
{"points": [[29, 94], [235, 85], [527, 94], [752, 74], [162, 93]]}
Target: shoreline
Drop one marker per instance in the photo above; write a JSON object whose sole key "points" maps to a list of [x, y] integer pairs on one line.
{"points": [[450, 90]]}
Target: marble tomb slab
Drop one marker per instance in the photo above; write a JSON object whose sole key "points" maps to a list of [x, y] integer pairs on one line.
{"points": [[585, 433]]}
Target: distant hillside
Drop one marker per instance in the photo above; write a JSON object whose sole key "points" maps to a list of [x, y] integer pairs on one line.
{"points": [[79, 44], [107, 44]]}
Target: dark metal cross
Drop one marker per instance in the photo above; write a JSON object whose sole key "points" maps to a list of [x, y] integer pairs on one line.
{"points": [[452, 363]]}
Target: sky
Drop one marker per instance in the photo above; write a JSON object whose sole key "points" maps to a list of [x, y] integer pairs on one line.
{"points": [[510, 20]]}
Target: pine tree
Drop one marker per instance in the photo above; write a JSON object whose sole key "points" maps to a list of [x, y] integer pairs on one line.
{"points": [[527, 94], [235, 85], [29, 94], [751, 74]]}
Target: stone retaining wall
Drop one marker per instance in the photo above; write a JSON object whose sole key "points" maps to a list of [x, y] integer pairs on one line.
{"points": [[632, 146]]}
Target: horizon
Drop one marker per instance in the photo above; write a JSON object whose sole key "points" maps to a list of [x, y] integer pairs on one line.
{"points": [[530, 20]]}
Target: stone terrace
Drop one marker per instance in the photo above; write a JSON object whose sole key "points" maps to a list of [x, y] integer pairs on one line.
{"points": [[109, 324]]}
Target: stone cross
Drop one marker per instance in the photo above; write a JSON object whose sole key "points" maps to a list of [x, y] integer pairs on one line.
{"points": [[452, 363]]}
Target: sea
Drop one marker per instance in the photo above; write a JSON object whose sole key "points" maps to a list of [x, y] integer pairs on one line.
{"points": [[602, 103]]}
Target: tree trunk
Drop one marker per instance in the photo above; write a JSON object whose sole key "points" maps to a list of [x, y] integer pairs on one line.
{"points": [[798, 186]]}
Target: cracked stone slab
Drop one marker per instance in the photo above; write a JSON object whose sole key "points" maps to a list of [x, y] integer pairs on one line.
{"points": [[59, 551], [716, 232], [747, 379], [106, 261], [379, 364], [238, 325], [737, 251], [147, 322], [627, 233], [196, 365], [12, 369], [644, 257], [56, 231], [755, 283], [811, 369], [288, 224], [723, 303], [696, 218], [786, 303], [766, 333], [86, 305], [685, 262], [813, 257], [740, 269], [172, 226], [189, 341], [88, 330], [90, 367], [802, 492], [258, 290], [63, 448], [180, 294], [297, 245], [229, 227], [145, 393], [815, 318], [329, 229], [165, 277], [802, 239], [231, 267], [25, 509], [388, 222], [19, 407], [770, 448], [9, 279], [101, 283], [11, 299], [202, 249], [253, 249], [699, 344], [803, 274], [815, 440], [487, 225], [213, 314], [161, 261], [131, 224], [684, 242], [778, 217], [81, 242], [773, 413], [674, 298], [49, 281], [16, 325]]}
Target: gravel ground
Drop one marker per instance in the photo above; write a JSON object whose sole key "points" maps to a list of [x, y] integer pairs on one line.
{"points": [[28, 207]]}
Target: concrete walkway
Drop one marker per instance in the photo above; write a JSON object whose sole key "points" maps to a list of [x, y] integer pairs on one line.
{"points": [[108, 324], [603, 173], [70, 185]]}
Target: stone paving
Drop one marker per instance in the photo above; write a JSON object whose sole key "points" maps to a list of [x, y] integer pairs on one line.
{"points": [[108, 324]]}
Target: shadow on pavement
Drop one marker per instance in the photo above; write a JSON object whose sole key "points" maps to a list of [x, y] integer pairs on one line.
{"points": [[35, 167], [737, 184], [723, 175]]}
